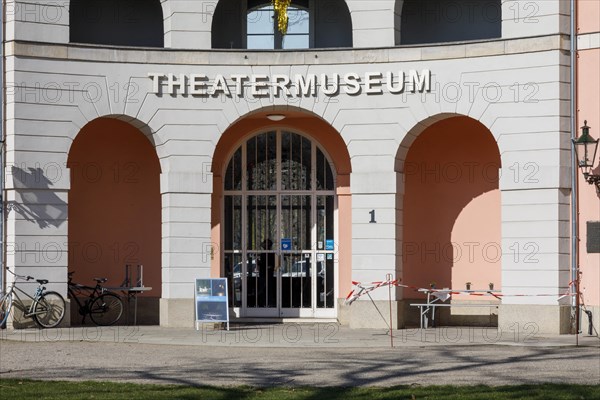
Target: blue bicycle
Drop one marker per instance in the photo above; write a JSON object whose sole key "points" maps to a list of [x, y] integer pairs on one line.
{"points": [[47, 308]]}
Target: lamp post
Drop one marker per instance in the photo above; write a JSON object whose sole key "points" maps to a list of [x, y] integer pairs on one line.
{"points": [[586, 148]]}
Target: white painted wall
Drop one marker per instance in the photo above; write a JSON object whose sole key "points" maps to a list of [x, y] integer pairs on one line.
{"points": [[37, 20], [188, 23], [517, 87], [535, 18], [44, 116]]}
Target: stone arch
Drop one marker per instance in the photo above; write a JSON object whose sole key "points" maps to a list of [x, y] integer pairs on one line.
{"points": [[325, 136], [449, 208], [115, 209], [146, 129]]}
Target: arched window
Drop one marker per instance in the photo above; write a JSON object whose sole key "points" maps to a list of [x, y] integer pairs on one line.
{"points": [[262, 32], [117, 22], [252, 24], [439, 21]]}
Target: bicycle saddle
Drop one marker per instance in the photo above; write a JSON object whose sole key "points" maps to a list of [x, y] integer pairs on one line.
{"points": [[100, 280], [41, 281]]}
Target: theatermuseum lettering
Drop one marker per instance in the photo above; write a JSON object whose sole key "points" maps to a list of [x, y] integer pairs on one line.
{"points": [[278, 85]]}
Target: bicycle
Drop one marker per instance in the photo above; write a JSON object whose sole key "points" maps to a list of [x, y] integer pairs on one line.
{"points": [[103, 307], [47, 308]]}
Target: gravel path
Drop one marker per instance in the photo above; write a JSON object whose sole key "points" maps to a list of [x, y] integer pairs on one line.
{"points": [[259, 366]]}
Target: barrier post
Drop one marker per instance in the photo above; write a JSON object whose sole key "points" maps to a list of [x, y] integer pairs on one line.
{"points": [[388, 277]]}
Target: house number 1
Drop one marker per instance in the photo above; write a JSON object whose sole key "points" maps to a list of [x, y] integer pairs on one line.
{"points": [[372, 212]]}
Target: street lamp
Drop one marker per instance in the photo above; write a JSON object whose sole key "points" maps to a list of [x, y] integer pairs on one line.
{"points": [[586, 148]]}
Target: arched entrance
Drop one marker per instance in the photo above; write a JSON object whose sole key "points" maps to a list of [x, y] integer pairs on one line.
{"points": [[279, 227], [451, 236], [281, 216], [115, 209]]}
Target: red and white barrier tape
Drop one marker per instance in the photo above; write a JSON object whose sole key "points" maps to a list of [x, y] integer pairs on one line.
{"points": [[362, 289]]}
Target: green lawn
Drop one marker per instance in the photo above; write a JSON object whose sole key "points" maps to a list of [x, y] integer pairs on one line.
{"points": [[38, 390]]}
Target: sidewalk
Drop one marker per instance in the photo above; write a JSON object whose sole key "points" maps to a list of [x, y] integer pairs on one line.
{"points": [[295, 335]]}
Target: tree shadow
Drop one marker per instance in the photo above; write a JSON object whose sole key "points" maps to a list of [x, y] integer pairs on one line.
{"points": [[38, 201], [327, 368], [448, 176]]}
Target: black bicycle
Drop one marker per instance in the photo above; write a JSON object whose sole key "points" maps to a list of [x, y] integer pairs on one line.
{"points": [[103, 307]]}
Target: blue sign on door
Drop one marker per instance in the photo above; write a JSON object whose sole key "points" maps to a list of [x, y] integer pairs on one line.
{"points": [[286, 244], [329, 245]]}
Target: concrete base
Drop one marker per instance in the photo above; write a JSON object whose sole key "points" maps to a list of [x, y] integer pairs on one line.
{"points": [[147, 312], [17, 320], [520, 319], [177, 313], [367, 314], [343, 314], [534, 319], [465, 313]]}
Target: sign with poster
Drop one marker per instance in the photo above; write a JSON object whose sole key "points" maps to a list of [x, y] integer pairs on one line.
{"points": [[211, 301]]}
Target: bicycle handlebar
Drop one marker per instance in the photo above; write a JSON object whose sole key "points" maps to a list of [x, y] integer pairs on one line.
{"points": [[76, 285], [27, 278]]}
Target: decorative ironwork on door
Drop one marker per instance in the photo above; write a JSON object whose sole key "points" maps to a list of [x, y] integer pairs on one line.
{"points": [[279, 227]]}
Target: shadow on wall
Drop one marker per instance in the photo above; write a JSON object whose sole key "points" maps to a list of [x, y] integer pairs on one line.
{"points": [[451, 207], [40, 204]]}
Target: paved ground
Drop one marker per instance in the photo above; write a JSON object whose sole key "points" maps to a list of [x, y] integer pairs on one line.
{"points": [[296, 355]]}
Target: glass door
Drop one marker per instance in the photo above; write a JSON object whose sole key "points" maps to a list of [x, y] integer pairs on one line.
{"points": [[278, 228], [261, 273], [296, 272]]}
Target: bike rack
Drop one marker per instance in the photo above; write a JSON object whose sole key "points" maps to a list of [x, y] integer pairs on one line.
{"points": [[133, 290], [139, 279]]}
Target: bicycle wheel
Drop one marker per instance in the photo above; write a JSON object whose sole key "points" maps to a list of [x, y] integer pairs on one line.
{"points": [[106, 309], [49, 310], [5, 306]]}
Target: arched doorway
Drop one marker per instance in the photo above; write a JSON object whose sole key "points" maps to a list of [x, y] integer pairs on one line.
{"points": [[115, 210], [279, 227], [451, 223]]}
